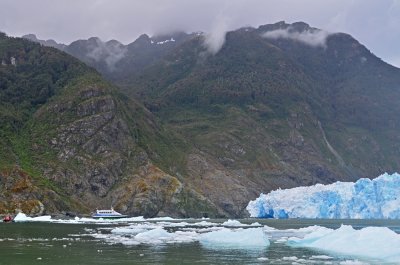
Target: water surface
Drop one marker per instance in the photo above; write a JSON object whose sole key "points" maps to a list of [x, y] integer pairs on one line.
{"points": [[52, 243]]}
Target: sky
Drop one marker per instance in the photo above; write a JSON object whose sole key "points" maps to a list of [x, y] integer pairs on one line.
{"points": [[375, 23]]}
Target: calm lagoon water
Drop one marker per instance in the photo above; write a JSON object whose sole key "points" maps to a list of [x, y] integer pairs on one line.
{"points": [[59, 244]]}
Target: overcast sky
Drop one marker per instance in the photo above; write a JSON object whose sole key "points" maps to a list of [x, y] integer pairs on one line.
{"points": [[375, 23]]}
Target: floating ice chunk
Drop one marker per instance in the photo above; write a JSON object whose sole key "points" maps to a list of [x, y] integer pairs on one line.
{"points": [[352, 262], [232, 223], [281, 240], [157, 235], [282, 236], [236, 223], [293, 258], [321, 257], [21, 217], [134, 229], [241, 238], [154, 236], [162, 219], [204, 223], [44, 218], [171, 224], [207, 229], [366, 199], [370, 242]]}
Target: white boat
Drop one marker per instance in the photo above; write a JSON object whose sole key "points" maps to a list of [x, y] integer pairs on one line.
{"points": [[108, 214]]}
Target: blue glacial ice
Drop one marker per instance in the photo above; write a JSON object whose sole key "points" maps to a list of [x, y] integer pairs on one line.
{"points": [[365, 199]]}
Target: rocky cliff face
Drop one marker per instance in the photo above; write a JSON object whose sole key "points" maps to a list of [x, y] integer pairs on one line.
{"points": [[100, 160]]}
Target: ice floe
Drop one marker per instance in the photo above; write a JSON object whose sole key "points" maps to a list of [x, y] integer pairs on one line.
{"points": [[236, 223], [353, 262], [155, 234], [370, 242], [242, 238], [21, 217]]}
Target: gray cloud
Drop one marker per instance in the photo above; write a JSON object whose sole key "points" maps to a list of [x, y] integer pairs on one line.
{"points": [[373, 23], [313, 38], [111, 52], [215, 39]]}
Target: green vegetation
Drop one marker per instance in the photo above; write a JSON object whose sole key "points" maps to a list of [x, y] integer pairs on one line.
{"points": [[30, 76], [269, 97]]}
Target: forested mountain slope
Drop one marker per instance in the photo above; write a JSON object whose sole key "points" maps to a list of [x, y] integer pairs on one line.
{"points": [[71, 142], [280, 105]]}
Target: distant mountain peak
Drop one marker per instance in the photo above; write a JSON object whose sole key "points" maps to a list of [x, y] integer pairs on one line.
{"points": [[143, 38], [282, 25], [113, 42], [48, 43], [300, 26], [30, 37]]}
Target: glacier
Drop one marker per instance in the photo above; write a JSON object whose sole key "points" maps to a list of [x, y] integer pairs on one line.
{"points": [[378, 198]]}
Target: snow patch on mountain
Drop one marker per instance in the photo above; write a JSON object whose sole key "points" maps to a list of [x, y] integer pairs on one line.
{"points": [[163, 42]]}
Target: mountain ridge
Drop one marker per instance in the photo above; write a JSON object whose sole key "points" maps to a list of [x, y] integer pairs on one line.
{"points": [[281, 105]]}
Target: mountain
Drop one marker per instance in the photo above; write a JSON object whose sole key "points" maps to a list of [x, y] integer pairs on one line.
{"points": [[278, 106], [71, 142], [281, 105], [336, 93], [48, 43]]}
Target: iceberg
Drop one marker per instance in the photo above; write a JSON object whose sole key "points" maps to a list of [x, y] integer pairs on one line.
{"points": [[378, 198], [236, 223], [21, 217], [241, 238], [369, 242]]}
